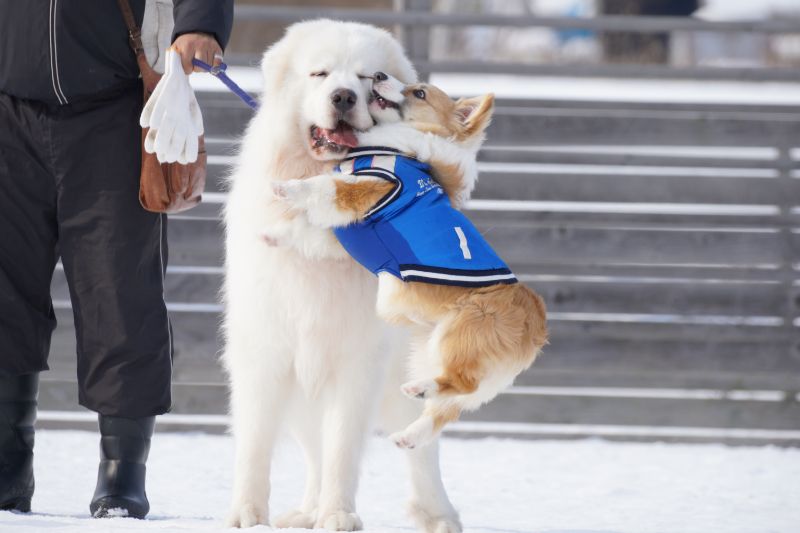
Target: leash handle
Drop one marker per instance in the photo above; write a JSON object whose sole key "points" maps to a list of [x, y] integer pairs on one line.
{"points": [[219, 72]]}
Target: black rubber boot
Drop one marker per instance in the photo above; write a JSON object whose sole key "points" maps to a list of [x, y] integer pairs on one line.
{"points": [[124, 445], [17, 416]]}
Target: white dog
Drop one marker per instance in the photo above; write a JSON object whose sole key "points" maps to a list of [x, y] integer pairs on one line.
{"points": [[303, 343]]}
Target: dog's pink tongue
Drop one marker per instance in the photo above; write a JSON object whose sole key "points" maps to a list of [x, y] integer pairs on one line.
{"points": [[343, 135]]}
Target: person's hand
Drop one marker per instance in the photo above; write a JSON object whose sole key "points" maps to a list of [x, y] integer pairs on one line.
{"points": [[173, 116], [197, 45]]}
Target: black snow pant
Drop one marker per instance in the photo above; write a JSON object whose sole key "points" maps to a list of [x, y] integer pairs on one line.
{"points": [[69, 178]]}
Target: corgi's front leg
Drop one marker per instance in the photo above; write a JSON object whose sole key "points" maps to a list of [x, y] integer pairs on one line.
{"points": [[294, 193], [454, 166], [315, 197], [402, 137], [333, 200]]}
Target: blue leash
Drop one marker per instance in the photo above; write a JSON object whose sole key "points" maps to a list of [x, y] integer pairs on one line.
{"points": [[219, 72]]}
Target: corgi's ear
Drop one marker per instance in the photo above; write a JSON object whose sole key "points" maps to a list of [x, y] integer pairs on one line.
{"points": [[474, 114]]}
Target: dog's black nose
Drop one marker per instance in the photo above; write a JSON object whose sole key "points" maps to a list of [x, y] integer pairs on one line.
{"points": [[379, 76], [343, 99]]}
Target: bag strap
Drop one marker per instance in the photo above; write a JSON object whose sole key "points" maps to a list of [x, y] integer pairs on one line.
{"points": [[150, 77]]}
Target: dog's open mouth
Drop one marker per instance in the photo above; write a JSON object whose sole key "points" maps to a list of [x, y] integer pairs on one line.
{"points": [[383, 102], [338, 139]]}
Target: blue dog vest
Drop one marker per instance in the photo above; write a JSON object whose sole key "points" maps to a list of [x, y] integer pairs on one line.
{"points": [[413, 232]]}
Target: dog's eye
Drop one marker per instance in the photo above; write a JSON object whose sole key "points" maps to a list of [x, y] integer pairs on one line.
{"points": [[419, 93], [319, 74]]}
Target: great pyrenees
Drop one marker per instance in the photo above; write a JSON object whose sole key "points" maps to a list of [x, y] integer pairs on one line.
{"points": [[303, 344]]}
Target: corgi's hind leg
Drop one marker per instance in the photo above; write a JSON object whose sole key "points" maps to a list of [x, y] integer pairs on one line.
{"points": [[464, 344], [458, 345], [428, 426]]}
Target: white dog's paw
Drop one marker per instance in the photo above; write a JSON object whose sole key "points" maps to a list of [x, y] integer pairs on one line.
{"points": [[445, 526], [247, 515], [295, 518], [340, 521], [431, 522], [420, 389]]}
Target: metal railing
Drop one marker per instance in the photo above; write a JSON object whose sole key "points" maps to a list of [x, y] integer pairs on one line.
{"points": [[422, 20]]}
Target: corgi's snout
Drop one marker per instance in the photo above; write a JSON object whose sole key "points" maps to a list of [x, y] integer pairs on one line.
{"points": [[388, 88]]}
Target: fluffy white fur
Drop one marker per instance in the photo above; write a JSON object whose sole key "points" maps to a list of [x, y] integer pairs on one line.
{"points": [[303, 346]]}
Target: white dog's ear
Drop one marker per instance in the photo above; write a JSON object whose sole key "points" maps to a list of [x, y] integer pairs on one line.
{"points": [[398, 64], [405, 71], [474, 115], [275, 66]]}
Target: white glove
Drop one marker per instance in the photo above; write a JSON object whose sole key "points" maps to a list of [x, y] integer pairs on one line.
{"points": [[157, 26], [173, 116]]}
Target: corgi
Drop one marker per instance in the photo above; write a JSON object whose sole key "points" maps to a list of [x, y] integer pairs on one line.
{"points": [[392, 204]]}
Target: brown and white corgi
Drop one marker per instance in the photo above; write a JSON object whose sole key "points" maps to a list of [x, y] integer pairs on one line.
{"points": [[475, 329]]}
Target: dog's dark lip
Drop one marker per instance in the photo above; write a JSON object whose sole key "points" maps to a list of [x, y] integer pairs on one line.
{"points": [[383, 102]]}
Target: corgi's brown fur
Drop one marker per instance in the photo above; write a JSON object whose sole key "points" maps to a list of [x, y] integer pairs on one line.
{"points": [[359, 197]]}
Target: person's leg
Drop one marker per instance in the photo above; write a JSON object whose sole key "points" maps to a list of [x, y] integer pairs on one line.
{"points": [[114, 255], [124, 447], [27, 259], [17, 416]]}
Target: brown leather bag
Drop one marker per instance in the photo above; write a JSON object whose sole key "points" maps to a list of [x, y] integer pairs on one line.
{"points": [[163, 187]]}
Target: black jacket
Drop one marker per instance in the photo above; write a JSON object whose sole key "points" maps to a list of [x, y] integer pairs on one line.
{"points": [[64, 51]]}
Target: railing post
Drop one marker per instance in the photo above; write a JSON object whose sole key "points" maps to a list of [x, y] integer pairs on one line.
{"points": [[789, 255], [417, 40]]}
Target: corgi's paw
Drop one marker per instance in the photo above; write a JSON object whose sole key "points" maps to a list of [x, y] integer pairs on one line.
{"points": [[296, 519], [279, 189], [403, 440], [274, 237], [420, 389], [291, 192], [271, 240], [418, 434]]}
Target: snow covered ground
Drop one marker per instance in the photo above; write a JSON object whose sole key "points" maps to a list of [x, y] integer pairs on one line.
{"points": [[587, 486]]}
